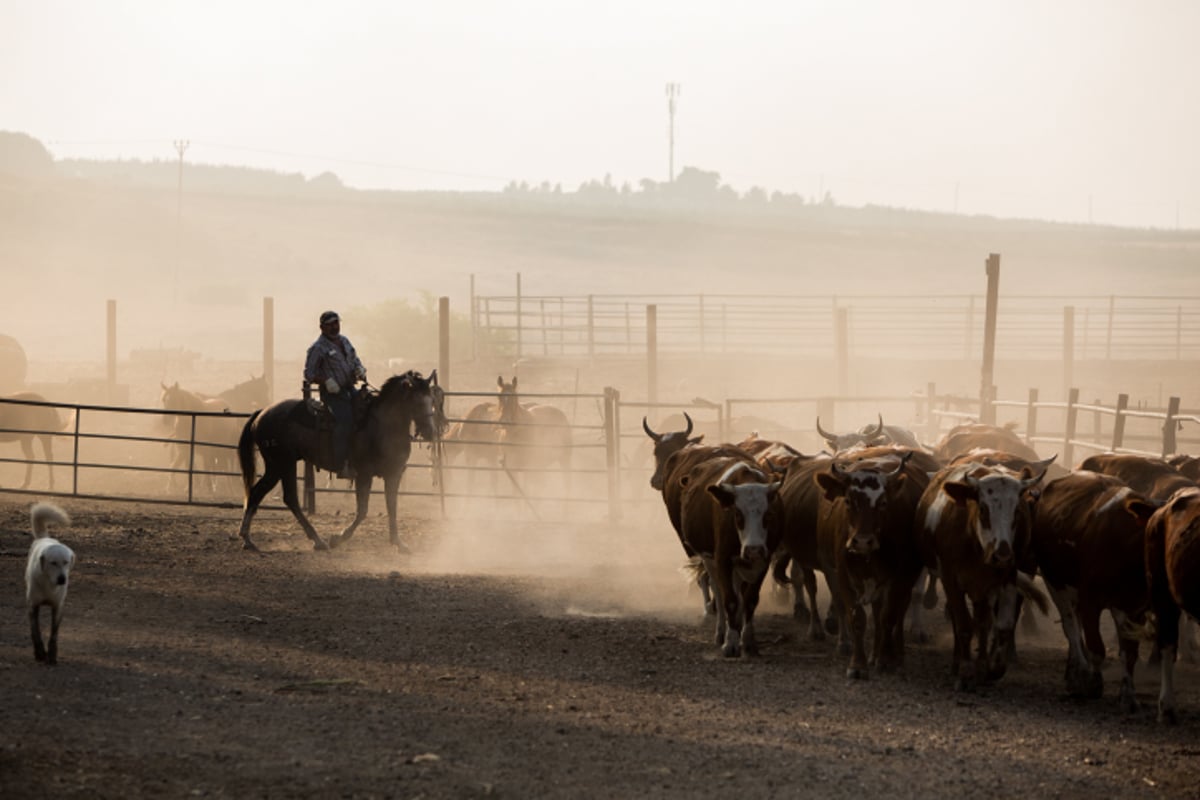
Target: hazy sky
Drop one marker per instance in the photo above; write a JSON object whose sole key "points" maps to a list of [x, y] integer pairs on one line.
{"points": [[1059, 109]]}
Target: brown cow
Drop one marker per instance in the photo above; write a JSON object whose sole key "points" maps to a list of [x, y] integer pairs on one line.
{"points": [[730, 519], [800, 501], [1173, 572], [865, 539], [674, 456], [1152, 477], [974, 524], [1188, 466], [1089, 533], [963, 439]]}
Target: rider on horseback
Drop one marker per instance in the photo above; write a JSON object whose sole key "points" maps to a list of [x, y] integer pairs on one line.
{"points": [[333, 363]]}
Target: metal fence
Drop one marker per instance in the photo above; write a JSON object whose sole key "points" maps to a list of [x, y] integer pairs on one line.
{"points": [[126, 454], [942, 327]]}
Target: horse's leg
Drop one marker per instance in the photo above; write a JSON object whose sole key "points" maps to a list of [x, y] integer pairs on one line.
{"points": [[27, 450], [362, 497], [264, 484], [391, 488], [291, 498], [48, 451]]}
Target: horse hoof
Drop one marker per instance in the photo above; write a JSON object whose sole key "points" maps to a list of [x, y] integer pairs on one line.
{"points": [[857, 674], [401, 547], [249, 545], [334, 541], [320, 545]]}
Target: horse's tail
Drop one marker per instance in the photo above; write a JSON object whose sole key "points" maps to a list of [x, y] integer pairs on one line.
{"points": [[246, 453]]}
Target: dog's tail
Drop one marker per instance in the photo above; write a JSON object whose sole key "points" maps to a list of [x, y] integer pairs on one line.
{"points": [[246, 453], [42, 513]]}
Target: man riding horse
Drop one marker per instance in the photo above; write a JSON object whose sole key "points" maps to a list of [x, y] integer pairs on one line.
{"points": [[333, 363]]}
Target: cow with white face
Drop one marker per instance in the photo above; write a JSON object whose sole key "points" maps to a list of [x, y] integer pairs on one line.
{"points": [[730, 518], [974, 528], [865, 539]]}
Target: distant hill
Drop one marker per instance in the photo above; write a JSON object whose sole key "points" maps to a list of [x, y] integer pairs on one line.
{"points": [[74, 233]]}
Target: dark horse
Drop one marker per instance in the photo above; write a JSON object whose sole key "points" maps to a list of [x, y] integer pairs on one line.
{"points": [[287, 432]]}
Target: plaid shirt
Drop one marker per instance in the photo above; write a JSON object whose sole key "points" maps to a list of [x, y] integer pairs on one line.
{"points": [[332, 358]]}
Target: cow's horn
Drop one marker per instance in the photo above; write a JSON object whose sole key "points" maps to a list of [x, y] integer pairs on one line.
{"points": [[1038, 468], [878, 429], [826, 435], [646, 427], [688, 432]]}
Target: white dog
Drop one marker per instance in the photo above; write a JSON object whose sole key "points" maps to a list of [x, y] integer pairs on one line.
{"points": [[46, 577]]}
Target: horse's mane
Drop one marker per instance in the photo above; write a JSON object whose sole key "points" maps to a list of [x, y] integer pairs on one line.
{"points": [[400, 383]]}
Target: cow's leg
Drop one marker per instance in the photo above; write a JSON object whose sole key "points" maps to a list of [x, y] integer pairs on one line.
{"points": [[706, 590], [857, 624], [1003, 624], [916, 615], [750, 594], [362, 498], [891, 654], [1167, 643], [35, 631], [960, 621], [1091, 683], [816, 631], [291, 498], [253, 500], [731, 601], [1129, 654], [1189, 648], [708, 567], [833, 615], [1079, 666]]}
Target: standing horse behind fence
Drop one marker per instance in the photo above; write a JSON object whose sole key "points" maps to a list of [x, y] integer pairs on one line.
{"points": [[249, 395], [533, 436], [288, 431], [215, 438], [23, 422]]}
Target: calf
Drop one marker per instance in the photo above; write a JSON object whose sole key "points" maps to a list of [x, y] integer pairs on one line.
{"points": [[730, 519], [1089, 534], [865, 538], [974, 523], [1173, 572]]}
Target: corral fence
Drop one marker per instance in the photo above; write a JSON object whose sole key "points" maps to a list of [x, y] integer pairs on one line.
{"points": [[1108, 327], [118, 453]]}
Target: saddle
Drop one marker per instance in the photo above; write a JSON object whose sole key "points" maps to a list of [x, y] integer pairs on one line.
{"points": [[323, 424]]}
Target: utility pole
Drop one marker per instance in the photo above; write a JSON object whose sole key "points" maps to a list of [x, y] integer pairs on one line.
{"points": [[673, 91], [181, 146]]}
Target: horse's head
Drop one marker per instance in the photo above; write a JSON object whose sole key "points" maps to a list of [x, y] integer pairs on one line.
{"points": [[510, 406], [417, 395]]}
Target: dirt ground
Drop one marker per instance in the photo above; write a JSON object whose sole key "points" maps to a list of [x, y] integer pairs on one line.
{"points": [[509, 660]]}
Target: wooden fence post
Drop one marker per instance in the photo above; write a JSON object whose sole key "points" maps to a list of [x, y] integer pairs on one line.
{"points": [[652, 355], [987, 412], [1031, 415], [612, 450], [1169, 427], [474, 321], [591, 328], [1068, 347], [110, 352], [1112, 302], [444, 342], [1118, 439], [932, 426], [519, 320], [701, 323], [842, 350], [1069, 436], [269, 345]]}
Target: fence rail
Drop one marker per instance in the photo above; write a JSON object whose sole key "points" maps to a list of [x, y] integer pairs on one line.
{"points": [[117, 453], [1106, 327]]}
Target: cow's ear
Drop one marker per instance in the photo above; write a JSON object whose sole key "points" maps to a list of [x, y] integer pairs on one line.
{"points": [[961, 493], [896, 482], [1140, 508], [723, 492], [832, 486]]}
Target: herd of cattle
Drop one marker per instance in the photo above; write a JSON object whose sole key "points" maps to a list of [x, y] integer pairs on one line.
{"points": [[882, 518]]}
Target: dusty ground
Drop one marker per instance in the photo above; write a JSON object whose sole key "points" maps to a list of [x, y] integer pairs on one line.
{"points": [[502, 660]]}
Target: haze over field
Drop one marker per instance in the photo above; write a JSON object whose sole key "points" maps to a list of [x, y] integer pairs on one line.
{"points": [[348, 156], [1075, 110]]}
